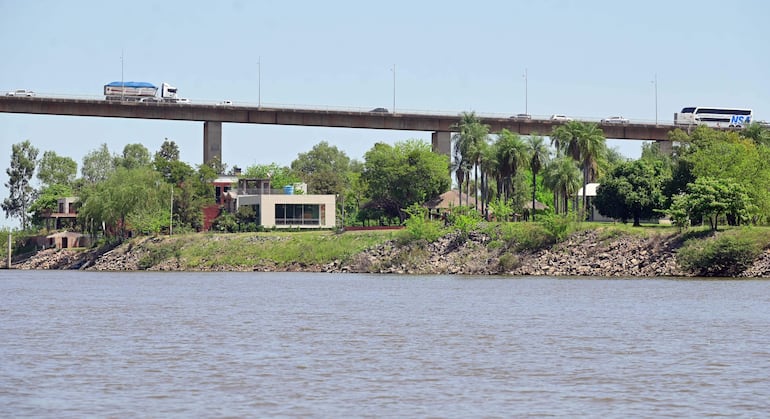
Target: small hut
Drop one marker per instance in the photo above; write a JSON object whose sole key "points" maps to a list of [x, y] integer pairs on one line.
{"points": [[66, 240], [446, 201]]}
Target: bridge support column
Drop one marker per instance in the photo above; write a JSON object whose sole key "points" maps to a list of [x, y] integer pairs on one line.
{"points": [[442, 143], [212, 141], [666, 147]]}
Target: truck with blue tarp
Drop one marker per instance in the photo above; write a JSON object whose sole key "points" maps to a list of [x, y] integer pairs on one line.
{"points": [[139, 91]]}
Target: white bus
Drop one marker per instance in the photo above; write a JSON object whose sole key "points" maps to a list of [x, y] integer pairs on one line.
{"points": [[714, 117]]}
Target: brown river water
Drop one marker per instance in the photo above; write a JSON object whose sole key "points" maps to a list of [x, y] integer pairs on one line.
{"points": [[92, 344]]}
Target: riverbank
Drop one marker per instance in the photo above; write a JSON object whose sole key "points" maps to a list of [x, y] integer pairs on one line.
{"points": [[593, 252]]}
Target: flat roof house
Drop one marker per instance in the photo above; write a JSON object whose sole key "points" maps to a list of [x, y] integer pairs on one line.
{"points": [[289, 207]]}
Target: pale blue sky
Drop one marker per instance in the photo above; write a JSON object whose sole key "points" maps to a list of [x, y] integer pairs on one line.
{"points": [[587, 59]]}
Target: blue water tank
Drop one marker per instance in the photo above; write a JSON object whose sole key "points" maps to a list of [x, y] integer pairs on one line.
{"points": [[288, 189]]}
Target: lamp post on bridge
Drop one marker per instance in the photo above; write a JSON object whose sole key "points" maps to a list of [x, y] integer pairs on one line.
{"points": [[259, 82], [655, 83], [526, 99], [394, 88]]}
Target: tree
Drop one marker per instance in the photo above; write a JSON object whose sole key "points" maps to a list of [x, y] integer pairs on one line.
{"points": [[562, 176], [324, 168], [634, 190], [279, 176], [710, 198], [169, 151], [585, 143], [56, 170], [125, 195], [97, 165], [511, 154], [23, 162], [538, 155], [133, 157], [468, 148], [403, 174]]}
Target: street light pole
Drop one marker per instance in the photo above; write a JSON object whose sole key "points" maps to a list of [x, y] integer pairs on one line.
{"points": [[259, 82], [526, 99], [655, 82], [394, 88], [122, 86]]}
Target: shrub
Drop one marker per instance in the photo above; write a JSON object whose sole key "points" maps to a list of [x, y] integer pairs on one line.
{"points": [[159, 253], [559, 226], [419, 227], [722, 255], [509, 262]]}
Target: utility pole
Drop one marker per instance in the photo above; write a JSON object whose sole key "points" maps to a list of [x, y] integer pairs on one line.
{"points": [[122, 86], [526, 99], [655, 81], [394, 88], [171, 217]]}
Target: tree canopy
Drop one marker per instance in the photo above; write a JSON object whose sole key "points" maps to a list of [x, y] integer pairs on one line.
{"points": [[633, 190], [403, 174]]}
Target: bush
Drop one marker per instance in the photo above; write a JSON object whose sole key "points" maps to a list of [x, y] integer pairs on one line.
{"points": [[418, 227], [159, 253], [509, 262], [559, 226], [722, 255]]}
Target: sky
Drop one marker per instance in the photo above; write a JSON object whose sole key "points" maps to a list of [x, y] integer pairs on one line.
{"points": [[586, 59]]}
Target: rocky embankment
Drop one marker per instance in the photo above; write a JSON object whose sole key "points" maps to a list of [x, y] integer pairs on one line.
{"points": [[582, 254]]}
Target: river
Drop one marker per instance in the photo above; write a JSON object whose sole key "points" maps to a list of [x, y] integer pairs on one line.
{"points": [[93, 344]]}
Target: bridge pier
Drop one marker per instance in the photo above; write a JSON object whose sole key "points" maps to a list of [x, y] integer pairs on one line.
{"points": [[212, 141], [666, 147], [441, 142]]}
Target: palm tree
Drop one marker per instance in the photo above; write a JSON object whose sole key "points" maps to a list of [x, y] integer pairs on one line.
{"points": [[471, 133], [562, 175], [511, 154], [584, 142], [593, 148], [538, 157]]}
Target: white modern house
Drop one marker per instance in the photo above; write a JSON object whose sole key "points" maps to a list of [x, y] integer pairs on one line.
{"points": [[289, 207], [593, 214]]}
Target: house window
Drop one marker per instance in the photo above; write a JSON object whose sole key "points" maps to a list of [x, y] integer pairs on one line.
{"points": [[297, 214]]}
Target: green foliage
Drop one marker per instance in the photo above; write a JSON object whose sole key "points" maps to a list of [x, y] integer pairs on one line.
{"points": [[160, 253], [97, 165], [134, 156], [21, 194], [404, 174], [56, 170], [509, 262], [419, 227], [48, 200], [501, 208], [124, 194], [559, 226], [465, 220], [151, 220], [710, 198], [325, 168], [634, 190], [279, 176], [726, 254], [225, 223]]}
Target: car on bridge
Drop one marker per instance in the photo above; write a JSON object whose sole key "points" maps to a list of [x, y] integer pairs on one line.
{"points": [[383, 110], [225, 103], [560, 118], [21, 93], [522, 117], [615, 120]]}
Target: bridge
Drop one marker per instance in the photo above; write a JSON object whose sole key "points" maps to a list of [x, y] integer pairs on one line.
{"points": [[213, 116]]}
